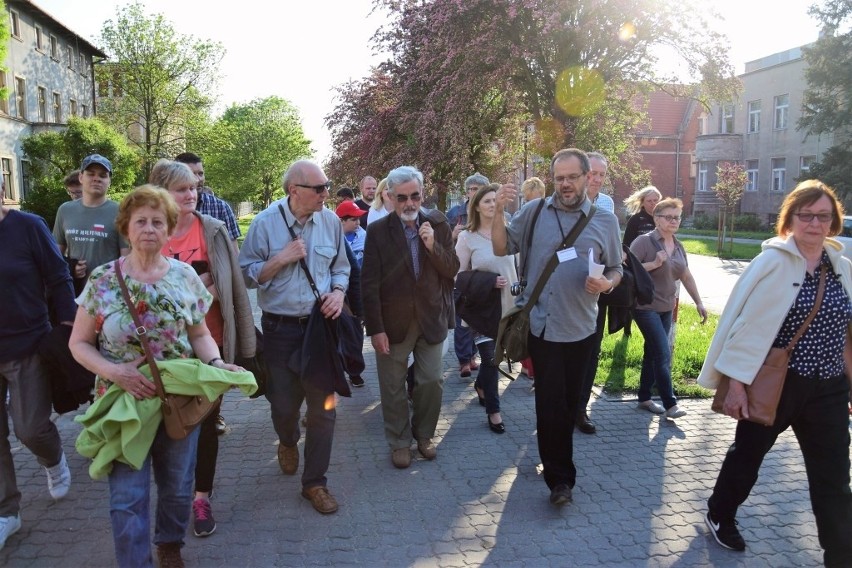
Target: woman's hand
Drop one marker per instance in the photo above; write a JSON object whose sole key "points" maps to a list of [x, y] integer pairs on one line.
{"points": [[501, 282], [702, 311], [736, 402], [220, 364], [661, 258], [128, 377]]}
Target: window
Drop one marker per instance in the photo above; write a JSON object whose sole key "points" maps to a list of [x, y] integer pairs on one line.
{"points": [[702, 124], [4, 102], [21, 97], [779, 173], [6, 165], [72, 107], [14, 24], [805, 163], [39, 39], [726, 119], [54, 48], [42, 104], [782, 103], [70, 53], [702, 176], [57, 108], [82, 66], [754, 116], [751, 173], [84, 111]]}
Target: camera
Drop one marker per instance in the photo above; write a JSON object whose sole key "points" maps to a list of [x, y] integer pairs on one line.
{"points": [[518, 288]]}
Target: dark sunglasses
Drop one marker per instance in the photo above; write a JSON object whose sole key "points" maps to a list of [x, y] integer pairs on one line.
{"points": [[414, 197], [318, 188]]}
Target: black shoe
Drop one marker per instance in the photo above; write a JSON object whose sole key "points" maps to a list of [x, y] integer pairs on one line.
{"points": [[725, 533], [560, 495], [585, 425], [356, 381], [496, 428]]}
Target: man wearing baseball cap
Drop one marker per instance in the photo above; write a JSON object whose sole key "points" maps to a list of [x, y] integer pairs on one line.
{"points": [[85, 228]]}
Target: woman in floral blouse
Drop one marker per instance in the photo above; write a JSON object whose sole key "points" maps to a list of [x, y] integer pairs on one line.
{"points": [[172, 302]]}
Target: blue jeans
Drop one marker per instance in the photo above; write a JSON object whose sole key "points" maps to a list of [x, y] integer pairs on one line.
{"points": [[173, 463], [657, 362], [487, 377], [285, 393]]}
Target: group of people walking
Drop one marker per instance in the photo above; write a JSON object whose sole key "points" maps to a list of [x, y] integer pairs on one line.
{"points": [[420, 273]]}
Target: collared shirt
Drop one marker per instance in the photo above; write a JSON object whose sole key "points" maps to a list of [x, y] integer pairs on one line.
{"points": [[564, 312], [819, 352], [412, 237], [289, 293], [604, 202], [209, 204]]}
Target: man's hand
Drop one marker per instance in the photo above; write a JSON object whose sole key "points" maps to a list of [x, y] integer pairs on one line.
{"points": [[332, 304], [427, 235], [505, 195], [80, 269], [293, 252], [736, 401], [380, 343], [598, 285]]}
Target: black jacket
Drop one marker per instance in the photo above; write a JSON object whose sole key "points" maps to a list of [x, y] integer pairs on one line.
{"points": [[479, 303]]}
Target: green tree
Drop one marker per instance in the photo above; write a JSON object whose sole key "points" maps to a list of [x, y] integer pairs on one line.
{"points": [[4, 46], [731, 181], [155, 82], [835, 170], [53, 154], [249, 148]]}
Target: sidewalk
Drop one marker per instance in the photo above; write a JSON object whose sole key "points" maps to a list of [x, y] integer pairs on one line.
{"points": [[639, 501]]}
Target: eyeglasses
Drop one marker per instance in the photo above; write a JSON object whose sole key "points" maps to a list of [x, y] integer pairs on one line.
{"points": [[823, 218], [670, 218], [572, 178], [414, 197], [318, 188]]}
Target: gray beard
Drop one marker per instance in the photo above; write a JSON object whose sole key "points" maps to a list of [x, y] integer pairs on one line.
{"points": [[409, 216], [574, 203]]}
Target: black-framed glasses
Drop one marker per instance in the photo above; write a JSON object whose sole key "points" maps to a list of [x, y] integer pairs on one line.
{"points": [[414, 197], [823, 218], [669, 218], [318, 188]]}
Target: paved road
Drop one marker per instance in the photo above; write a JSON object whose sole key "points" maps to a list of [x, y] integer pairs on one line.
{"points": [[639, 501], [715, 278]]}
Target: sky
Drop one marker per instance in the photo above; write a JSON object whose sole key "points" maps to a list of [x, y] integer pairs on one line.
{"points": [[301, 49]]}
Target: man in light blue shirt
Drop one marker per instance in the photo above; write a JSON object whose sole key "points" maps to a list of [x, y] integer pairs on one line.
{"points": [[270, 261]]}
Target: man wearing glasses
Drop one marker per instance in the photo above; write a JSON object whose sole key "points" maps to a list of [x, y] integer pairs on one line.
{"points": [[270, 260], [562, 321], [407, 288]]}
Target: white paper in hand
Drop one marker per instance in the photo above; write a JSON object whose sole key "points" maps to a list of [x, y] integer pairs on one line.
{"points": [[595, 270]]}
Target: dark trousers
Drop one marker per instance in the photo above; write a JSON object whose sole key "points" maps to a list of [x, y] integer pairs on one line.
{"points": [[559, 372], [487, 377], [208, 451], [592, 367], [817, 410]]}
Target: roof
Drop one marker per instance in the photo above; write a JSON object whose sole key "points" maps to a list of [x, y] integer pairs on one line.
{"points": [[666, 114], [41, 11]]}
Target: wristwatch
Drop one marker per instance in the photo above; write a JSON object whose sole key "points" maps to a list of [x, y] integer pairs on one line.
{"points": [[338, 287]]}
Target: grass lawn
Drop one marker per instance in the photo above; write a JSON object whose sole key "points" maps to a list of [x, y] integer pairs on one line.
{"points": [[705, 247], [620, 362], [759, 235], [244, 222]]}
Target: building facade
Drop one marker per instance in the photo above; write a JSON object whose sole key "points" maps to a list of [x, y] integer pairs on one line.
{"points": [[50, 77], [758, 130]]}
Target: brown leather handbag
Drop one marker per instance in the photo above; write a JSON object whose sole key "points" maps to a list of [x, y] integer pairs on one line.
{"points": [[764, 392], [181, 413]]}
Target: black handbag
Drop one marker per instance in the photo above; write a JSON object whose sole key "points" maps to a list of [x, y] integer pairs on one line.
{"points": [[256, 365], [636, 285]]}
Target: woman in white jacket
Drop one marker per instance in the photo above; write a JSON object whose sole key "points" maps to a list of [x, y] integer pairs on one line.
{"points": [[767, 306]]}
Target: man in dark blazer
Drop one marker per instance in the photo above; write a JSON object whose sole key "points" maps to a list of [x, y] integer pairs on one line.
{"points": [[407, 290]]}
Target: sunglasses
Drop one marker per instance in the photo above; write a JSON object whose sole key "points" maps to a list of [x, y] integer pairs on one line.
{"points": [[318, 188], [414, 197]]}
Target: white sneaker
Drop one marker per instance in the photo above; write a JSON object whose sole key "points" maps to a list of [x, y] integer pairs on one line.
{"points": [[8, 527], [59, 478], [651, 406], [675, 412]]}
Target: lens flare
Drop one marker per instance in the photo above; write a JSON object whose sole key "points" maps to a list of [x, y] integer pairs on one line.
{"points": [[627, 31], [330, 402], [579, 91]]}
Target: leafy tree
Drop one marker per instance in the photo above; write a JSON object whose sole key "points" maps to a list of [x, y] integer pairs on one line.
{"points": [[53, 155], [835, 170], [731, 181], [4, 46], [250, 147], [154, 81]]}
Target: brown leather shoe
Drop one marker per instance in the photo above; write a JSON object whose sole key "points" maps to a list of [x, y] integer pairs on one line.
{"points": [[464, 370], [288, 458], [321, 499], [169, 555], [401, 458], [427, 448], [585, 425]]}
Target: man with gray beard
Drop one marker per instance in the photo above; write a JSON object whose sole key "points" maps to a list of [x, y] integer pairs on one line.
{"points": [[562, 321], [407, 280]]}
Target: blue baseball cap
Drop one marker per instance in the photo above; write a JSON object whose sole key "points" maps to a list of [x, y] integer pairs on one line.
{"points": [[96, 159]]}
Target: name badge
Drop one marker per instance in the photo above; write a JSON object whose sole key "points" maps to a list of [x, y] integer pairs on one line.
{"points": [[565, 255]]}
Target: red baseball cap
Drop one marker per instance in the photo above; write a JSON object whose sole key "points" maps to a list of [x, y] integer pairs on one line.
{"points": [[349, 209]]}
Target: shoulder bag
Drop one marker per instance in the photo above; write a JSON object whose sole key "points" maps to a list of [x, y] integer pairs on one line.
{"points": [[514, 328], [764, 392], [181, 413]]}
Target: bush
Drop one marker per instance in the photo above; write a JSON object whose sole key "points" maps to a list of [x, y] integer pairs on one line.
{"points": [[705, 222], [44, 201], [749, 222]]}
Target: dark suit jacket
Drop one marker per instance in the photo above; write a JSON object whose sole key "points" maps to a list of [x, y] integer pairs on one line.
{"points": [[391, 296]]}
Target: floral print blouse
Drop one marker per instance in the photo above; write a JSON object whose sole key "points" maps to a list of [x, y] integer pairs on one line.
{"points": [[166, 307]]}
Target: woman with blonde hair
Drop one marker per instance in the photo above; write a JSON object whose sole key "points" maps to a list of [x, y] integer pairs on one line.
{"points": [[382, 204], [640, 206]]}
